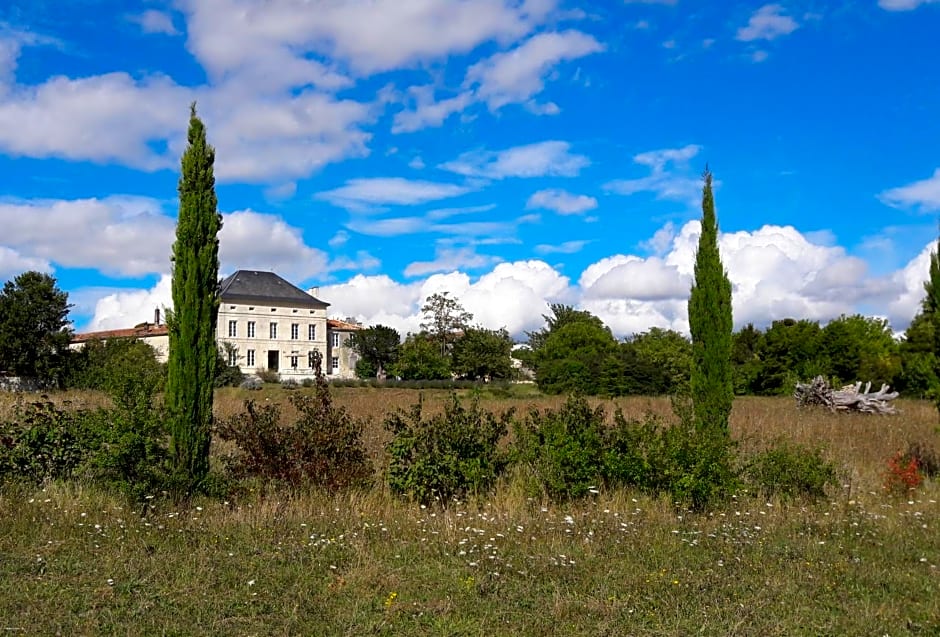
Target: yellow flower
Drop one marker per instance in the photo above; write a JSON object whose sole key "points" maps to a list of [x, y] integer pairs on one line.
{"points": [[390, 599]]}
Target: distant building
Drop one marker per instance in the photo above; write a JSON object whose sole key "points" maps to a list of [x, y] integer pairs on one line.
{"points": [[271, 325]]}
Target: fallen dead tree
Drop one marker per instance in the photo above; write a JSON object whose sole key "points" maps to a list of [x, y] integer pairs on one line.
{"points": [[849, 398]]}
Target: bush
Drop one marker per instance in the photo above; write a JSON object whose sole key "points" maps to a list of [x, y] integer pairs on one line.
{"points": [[695, 466], [701, 469], [636, 454], [43, 442], [290, 383], [564, 448], [926, 457], [227, 375], [446, 456], [791, 470], [122, 448], [252, 383], [268, 376], [130, 449], [902, 475], [113, 366], [323, 448]]}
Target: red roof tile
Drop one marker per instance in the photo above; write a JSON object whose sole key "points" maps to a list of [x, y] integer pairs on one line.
{"points": [[144, 330]]}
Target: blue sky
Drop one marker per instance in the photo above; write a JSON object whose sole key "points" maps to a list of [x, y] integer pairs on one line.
{"points": [[512, 152]]}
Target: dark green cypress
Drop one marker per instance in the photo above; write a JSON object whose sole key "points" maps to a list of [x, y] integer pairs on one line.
{"points": [[192, 362], [711, 326], [931, 307]]}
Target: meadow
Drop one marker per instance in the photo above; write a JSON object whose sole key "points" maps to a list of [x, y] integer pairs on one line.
{"points": [[76, 560]]}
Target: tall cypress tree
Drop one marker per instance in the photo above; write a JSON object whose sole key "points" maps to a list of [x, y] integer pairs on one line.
{"points": [[711, 325], [192, 362], [931, 308]]}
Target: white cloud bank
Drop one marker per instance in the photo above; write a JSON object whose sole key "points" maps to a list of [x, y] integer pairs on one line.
{"points": [[776, 272]]}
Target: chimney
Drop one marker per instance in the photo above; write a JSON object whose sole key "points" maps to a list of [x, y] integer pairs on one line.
{"points": [[314, 291], [156, 316]]}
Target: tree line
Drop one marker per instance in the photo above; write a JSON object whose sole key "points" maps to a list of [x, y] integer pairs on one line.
{"points": [[575, 351]]}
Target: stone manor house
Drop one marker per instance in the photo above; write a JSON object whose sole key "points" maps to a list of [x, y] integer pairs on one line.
{"points": [[271, 324]]}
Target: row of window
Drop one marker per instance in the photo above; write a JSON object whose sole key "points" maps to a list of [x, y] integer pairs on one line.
{"points": [[272, 332], [294, 359]]}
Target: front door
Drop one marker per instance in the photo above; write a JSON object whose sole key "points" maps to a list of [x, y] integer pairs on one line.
{"points": [[273, 360]]}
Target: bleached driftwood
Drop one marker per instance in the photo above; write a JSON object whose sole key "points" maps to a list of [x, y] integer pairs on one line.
{"points": [[849, 398]]}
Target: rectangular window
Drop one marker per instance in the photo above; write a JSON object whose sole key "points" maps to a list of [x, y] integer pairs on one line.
{"points": [[273, 330], [311, 332], [334, 363], [251, 358], [251, 329], [294, 331], [293, 361], [233, 328], [335, 339], [233, 357]]}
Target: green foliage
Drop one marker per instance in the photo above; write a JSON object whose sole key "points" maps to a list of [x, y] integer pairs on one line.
{"points": [[861, 348], [791, 351], [443, 318], [918, 376], [702, 460], [117, 366], [227, 375], [123, 448], [193, 352], [563, 449], [34, 330], [420, 359], [129, 441], [365, 369], [578, 357], [323, 447], [711, 325], [378, 348], [791, 470], [42, 442], [745, 358], [482, 353], [668, 351], [694, 465], [561, 315], [447, 456]]}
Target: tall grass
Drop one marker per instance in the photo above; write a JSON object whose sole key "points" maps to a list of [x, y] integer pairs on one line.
{"points": [[74, 560]]}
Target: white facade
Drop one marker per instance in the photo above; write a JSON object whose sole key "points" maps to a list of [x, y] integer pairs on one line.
{"points": [[278, 338], [268, 324]]}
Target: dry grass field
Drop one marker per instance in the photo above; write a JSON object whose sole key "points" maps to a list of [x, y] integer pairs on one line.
{"points": [[74, 560]]}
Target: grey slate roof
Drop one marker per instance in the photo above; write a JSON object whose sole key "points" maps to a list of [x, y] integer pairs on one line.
{"points": [[265, 288]]}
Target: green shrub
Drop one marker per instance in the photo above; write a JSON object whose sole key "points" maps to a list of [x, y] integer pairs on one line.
{"points": [[791, 470], [323, 448], [636, 454], [563, 449], [447, 456], [122, 448], [227, 375], [268, 375], [43, 442]]}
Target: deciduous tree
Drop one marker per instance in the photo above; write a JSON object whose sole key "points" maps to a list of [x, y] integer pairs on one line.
{"points": [[377, 345], [444, 317], [34, 330], [480, 353]]}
